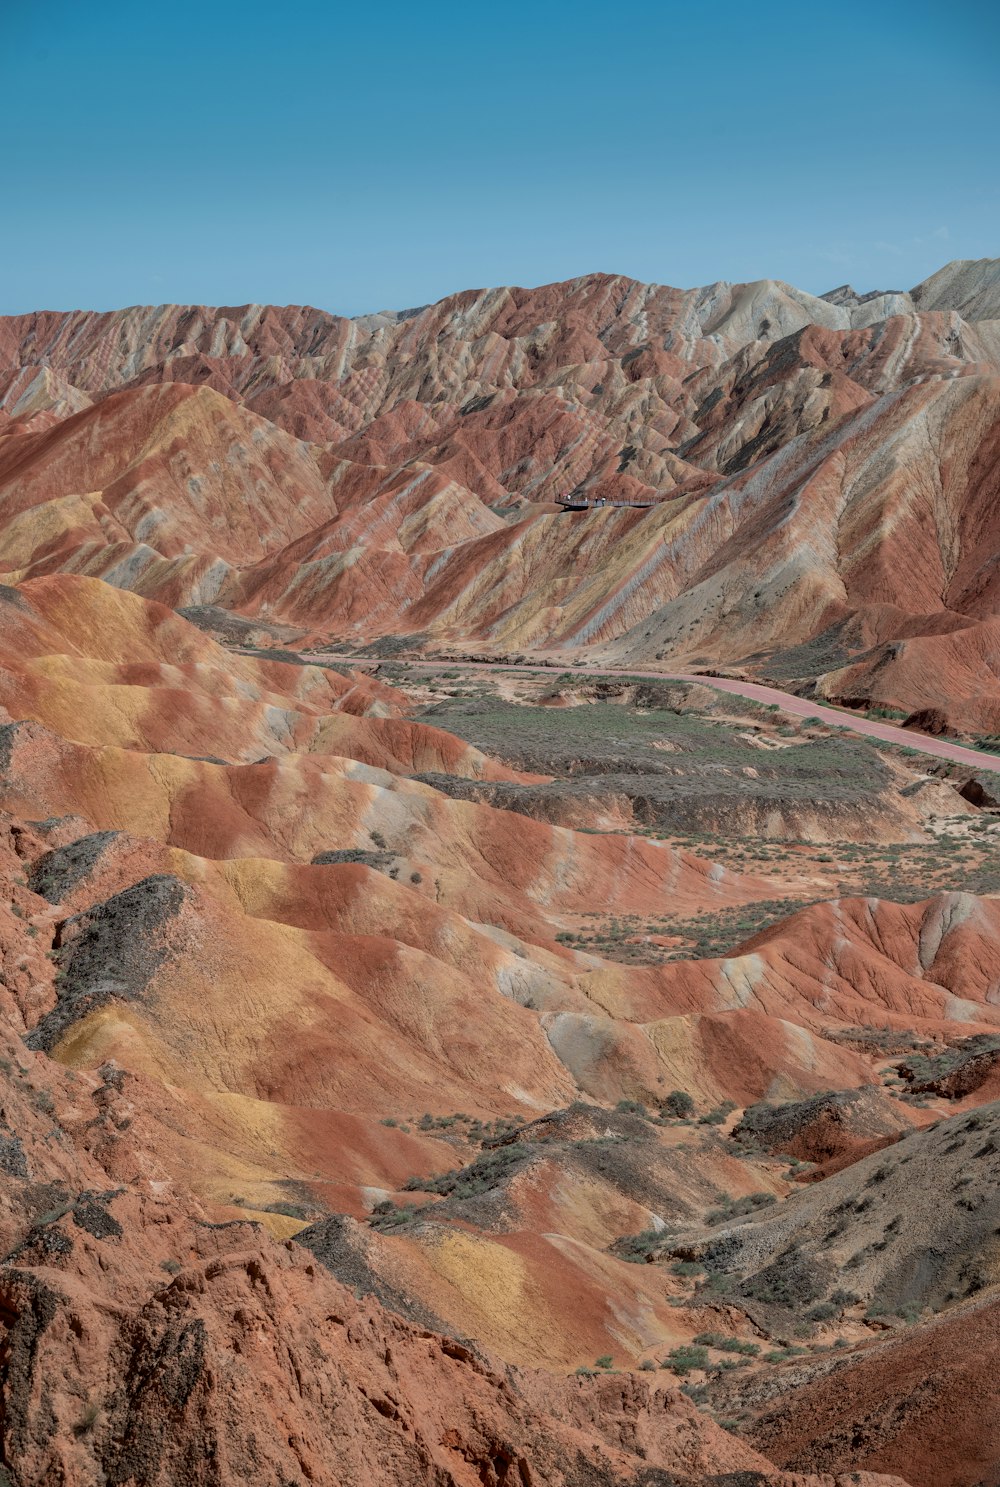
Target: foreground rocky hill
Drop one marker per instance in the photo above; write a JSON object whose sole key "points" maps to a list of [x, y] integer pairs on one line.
{"points": [[814, 476], [335, 1148]]}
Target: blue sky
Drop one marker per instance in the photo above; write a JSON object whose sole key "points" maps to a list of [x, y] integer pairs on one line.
{"points": [[367, 156]]}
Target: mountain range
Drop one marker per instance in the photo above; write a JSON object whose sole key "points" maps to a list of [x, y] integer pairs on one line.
{"points": [[446, 1040]]}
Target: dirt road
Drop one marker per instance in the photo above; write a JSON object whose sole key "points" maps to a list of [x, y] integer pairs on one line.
{"points": [[800, 707]]}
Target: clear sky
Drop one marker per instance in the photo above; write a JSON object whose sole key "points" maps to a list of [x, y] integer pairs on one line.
{"points": [[375, 155]]}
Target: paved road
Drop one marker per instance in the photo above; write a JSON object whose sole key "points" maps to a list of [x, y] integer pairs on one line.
{"points": [[801, 707]]}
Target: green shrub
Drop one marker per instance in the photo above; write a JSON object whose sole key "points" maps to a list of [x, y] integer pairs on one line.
{"points": [[679, 1104], [684, 1359], [637, 1248], [735, 1207], [725, 1344], [388, 1216], [631, 1107], [480, 1176]]}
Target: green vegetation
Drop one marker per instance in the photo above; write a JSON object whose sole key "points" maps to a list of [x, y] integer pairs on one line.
{"points": [[685, 1359], [725, 1344], [637, 1248], [386, 1216], [631, 1107], [922, 1071], [679, 1104], [468, 1128], [88, 1419], [488, 1170], [732, 1208]]}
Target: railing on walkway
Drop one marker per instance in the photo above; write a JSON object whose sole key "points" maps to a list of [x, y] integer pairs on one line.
{"points": [[584, 503]]}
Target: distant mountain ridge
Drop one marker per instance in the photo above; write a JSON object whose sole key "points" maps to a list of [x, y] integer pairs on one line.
{"points": [[819, 469]]}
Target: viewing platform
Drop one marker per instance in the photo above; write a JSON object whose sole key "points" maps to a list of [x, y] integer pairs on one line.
{"points": [[584, 503]]}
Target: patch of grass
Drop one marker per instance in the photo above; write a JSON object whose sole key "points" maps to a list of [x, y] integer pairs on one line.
{"points": [[88, 1419]]}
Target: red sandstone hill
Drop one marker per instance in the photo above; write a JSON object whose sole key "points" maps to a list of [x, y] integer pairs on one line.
{"points": [[257, 976], [819, 468], [327, 1154]]}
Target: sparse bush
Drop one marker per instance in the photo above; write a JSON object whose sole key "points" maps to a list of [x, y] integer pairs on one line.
{"points": [[631, 1107], [697, 1393], [736, 1207], [685, 1359], [637, 1248], [390, 1217], [725, 1344], [679, 1104], [480, 1176]]}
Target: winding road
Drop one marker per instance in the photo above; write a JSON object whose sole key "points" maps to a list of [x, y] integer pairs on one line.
{"points": [[800, 707]]}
